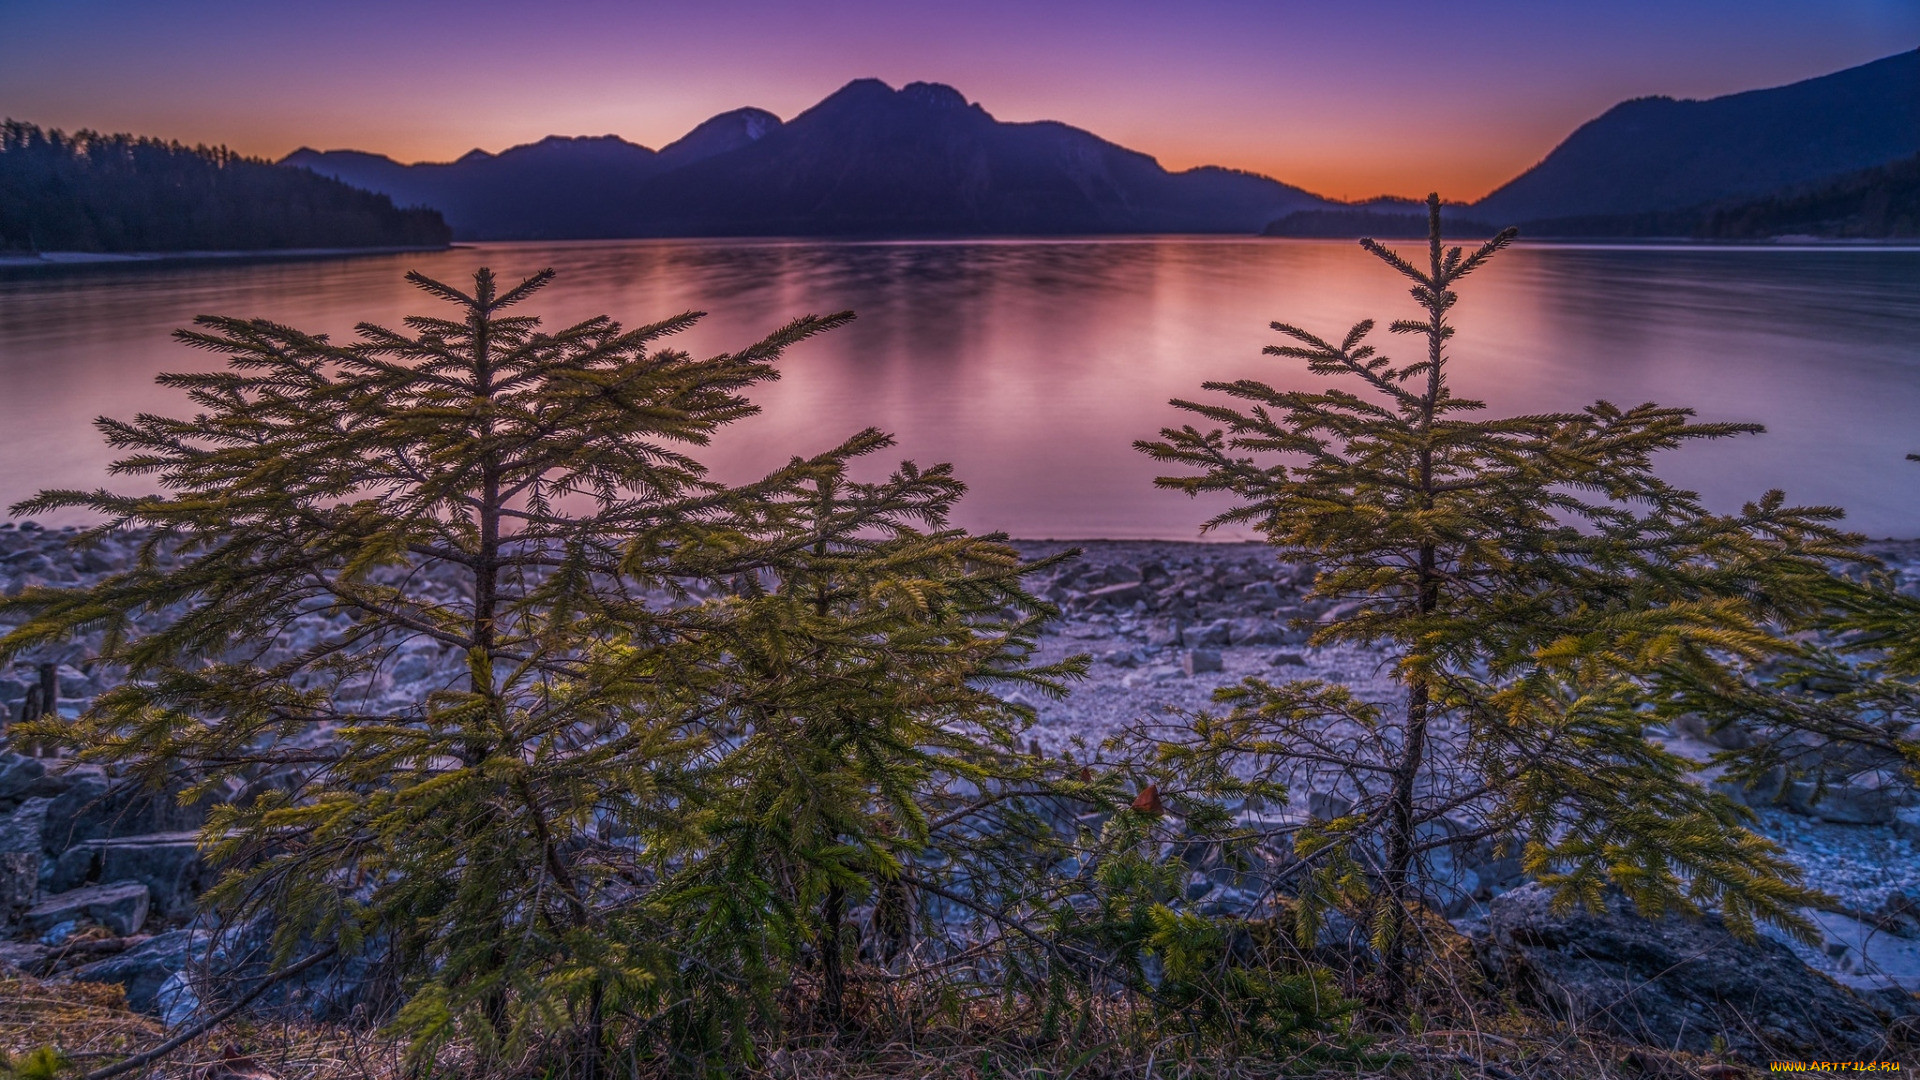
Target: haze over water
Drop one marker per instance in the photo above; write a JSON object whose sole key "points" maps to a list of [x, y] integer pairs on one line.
{"points": [[1033, 365]]}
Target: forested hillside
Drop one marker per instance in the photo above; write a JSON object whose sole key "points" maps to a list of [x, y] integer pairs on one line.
{"points": [[1657, 154], [1882, 203], [110, 193]]}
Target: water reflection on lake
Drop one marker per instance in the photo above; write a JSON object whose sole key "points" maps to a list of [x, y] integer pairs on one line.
{"points": [[1033, 365]]}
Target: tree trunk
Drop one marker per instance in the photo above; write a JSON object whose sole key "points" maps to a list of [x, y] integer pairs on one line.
{"points": [[1402, 893], [833, 977]]}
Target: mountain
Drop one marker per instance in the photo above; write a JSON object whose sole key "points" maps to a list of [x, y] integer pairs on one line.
{"points": [[869, 160], [1658, 154], [1877, 203], [558, 186], [120, 193]]}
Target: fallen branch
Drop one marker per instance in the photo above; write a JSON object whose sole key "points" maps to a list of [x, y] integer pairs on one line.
{"points": [[147, 1057]]}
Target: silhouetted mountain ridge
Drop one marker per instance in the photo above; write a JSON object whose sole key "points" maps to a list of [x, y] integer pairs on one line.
{"points": [[1660, 154], [122, 193], [868, 160]]}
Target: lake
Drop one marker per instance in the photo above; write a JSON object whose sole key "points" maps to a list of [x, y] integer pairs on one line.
{"points": [[1032, 365]]}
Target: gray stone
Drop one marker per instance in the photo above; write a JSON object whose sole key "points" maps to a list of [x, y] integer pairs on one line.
{"points": [[22, 956], [25, 828], [1325, 806], [93, 809], [1254, 632], [1865, 800], [1675, 983], [1725, 734], [19, 883], [1287, 659], [120, 906], [1115, 596], [144, 968], [19, 776], [1195, 661], [1162, 635], [1906, 823], [168, 864], [1214, 635], [78, 865]]}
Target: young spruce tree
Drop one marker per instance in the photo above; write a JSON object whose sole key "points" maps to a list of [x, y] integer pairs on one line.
{"points": [[1529, 577], [646, 708]]}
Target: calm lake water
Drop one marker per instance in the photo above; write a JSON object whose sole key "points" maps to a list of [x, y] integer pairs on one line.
{"points": [[1033, 365]]}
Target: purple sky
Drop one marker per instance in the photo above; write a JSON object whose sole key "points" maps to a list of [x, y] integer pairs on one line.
{"points": [[1348, 99]]}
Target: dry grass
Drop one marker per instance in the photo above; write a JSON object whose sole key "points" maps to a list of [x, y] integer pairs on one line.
{"points": [[896, 1035]]}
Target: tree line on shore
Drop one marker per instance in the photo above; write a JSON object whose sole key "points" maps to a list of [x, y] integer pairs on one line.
{"points": [[91, 192], [734, 765]]}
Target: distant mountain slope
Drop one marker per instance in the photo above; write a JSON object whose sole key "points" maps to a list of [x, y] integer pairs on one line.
{"points": [[1877, 203], [119, 193], [558, 186], [1656, 154], [868, 160]]}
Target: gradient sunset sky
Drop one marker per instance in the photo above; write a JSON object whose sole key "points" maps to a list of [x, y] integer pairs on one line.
{"points": [[1347, 99]]}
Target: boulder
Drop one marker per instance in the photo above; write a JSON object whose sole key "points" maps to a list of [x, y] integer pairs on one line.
{"points": [[168, 864], [19, 883], [1253, 632], [1725, 734], [1217, 634], [1115, 596], [1869, 799], [19, 777], [1195, 661], [144, 968], [25, 828], [1674, 982], [120, 906], [22, 956], [93, 809], [1906, 823]]}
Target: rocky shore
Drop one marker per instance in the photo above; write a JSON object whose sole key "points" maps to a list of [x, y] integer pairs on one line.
{"points": [[99, 884]]}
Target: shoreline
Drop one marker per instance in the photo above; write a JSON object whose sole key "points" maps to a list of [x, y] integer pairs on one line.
{"points": [[92, 260]]}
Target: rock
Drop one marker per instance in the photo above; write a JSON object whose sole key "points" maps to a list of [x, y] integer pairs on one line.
{"points": [[19, 883], [1869, 799], [1162, 635], [1195, 661], [1287, 659], [22, 956], [1253, 632], [23, 831], [120, 906], [168, 864], [1867, 955], [1326, 806], [1906, 823], [1674, 983], [1215, 635], [1727, 735], [144, 968], [1766, 791], [1261, 592], [19, 777], [93, 809], [1115, 596]]}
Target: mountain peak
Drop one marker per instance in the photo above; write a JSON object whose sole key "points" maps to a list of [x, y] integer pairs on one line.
{"points": [[718, 135], [936, 95]]}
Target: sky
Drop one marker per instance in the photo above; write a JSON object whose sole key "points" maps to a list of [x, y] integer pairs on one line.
{"points": [[1348, 99]]}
